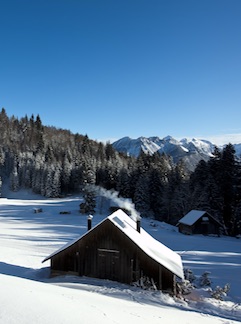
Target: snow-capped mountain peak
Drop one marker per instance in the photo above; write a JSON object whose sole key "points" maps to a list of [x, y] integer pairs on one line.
{"points": [[203, 146], [134, 147], [190, 151]]}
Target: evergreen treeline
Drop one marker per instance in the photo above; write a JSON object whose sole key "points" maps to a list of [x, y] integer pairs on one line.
{"points": [[54, 162]]}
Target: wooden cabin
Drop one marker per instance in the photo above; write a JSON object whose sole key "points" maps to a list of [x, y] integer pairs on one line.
{"points": [[119, 249], [199, 222], [37, 210]]}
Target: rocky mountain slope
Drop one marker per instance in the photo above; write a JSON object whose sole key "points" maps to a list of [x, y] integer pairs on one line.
{"points": [[190, 151]]}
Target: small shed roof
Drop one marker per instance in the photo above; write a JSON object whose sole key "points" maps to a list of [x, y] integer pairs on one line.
{"points": [[153, 248], [191, 217]]}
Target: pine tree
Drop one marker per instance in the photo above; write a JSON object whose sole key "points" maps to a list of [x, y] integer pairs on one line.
{"points": [[4, 127], [142, 196], [204, 193], [123, 183], [89, 204], [66, 173], [14, 179], [48, 187], [39, 130], [156, 187], [227, 184]]}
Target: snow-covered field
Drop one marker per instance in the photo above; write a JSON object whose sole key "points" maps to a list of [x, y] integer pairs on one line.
{"points": [[28, 295]]}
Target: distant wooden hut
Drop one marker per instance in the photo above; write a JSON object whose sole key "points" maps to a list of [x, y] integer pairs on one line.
{"points": [[118, 249], [38, 210], [199, 222]]}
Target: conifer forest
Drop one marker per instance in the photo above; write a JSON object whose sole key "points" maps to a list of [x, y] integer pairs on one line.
{"points": [[54, 162]]}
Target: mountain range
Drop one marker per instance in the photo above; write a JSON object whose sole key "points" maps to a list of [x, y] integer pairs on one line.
{"points": [[189, 151]]}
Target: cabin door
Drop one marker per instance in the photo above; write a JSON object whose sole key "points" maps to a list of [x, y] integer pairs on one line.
{"points": [[108, 264]]}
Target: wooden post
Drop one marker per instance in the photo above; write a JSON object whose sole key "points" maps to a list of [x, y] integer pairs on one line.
{"points": [[174, 285]]}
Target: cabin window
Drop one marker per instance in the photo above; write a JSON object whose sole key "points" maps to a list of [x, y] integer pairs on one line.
{"points": [[205, 219]]}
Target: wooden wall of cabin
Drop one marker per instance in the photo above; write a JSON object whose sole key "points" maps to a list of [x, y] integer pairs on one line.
{"points": [[185, 229], [206, 227], [107, 253]]}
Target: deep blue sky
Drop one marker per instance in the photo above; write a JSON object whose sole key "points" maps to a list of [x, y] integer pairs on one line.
{"points": [[110, 68]]}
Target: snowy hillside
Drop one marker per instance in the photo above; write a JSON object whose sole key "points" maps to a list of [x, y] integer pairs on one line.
{"points": [[28, 295]]}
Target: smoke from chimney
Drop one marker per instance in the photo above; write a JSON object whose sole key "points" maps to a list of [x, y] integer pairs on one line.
{"points": [[121, 202]]}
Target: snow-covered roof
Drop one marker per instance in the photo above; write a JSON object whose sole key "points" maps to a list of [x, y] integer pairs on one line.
{"points": [[191, 217], [153, 248]]}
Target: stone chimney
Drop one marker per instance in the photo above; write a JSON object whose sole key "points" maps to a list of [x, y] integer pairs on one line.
{"points": [[89, 220]]}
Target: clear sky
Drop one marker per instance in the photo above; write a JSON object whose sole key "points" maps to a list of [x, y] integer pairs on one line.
{"points": [[115, 68]]}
